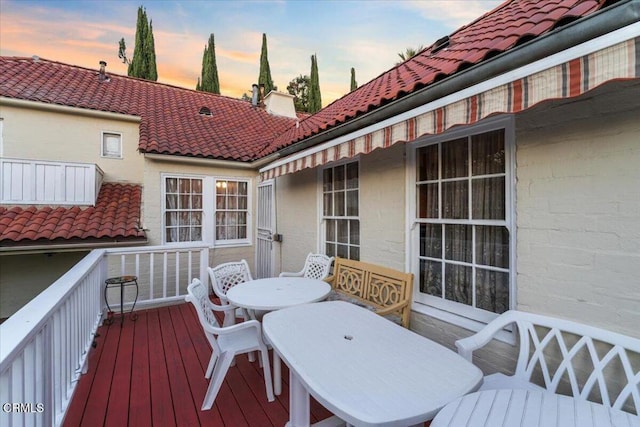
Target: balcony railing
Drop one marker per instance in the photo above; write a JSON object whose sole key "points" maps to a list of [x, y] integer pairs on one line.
{"points": [[39, 182], [44, 346]]}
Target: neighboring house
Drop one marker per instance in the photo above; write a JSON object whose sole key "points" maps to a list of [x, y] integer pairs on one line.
{"points": [[96, 160], [501, 166]]}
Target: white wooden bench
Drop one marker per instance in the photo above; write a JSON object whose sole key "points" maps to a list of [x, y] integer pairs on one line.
{"points": [[571, 358]]}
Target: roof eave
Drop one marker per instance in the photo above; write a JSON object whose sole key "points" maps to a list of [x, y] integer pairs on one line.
{"points": [[31, 247]]}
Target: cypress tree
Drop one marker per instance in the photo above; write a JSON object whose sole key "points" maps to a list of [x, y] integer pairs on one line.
{"points": [[354, 83], [265, 72], [208, 81], [315, 99], [143, 63], [150, 53]]}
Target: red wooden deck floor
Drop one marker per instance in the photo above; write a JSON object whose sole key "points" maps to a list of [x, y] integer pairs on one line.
{"points": [[151, 372]]}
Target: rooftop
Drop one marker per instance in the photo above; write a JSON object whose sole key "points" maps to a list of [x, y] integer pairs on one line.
{"points": [[116, 216]]}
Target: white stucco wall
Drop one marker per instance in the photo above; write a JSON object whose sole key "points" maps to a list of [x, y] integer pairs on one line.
{"points": [[152, 204], [66, 137], [382, 214], [578, 207], [296, 219], [382, 207]]}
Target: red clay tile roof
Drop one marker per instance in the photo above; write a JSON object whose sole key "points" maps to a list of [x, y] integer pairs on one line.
{"points": [[497, 31], [115, 216], [170, 119], [236, 130]]}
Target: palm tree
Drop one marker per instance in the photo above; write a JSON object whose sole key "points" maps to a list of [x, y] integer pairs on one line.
{"points": [[409, 53]]}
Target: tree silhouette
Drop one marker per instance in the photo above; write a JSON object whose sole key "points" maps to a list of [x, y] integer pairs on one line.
{"points": [[315, 99], [143, 64], [264, 78], [208, 81], [409, 53], [299, 88]]}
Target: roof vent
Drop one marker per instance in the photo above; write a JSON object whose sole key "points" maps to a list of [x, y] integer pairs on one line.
{"points": [[35, 58], [102, 76], [440, 44], [204, 111]]}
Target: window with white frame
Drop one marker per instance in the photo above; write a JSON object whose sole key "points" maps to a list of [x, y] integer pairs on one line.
{"points": [[183, 217], [464, 229], [340, 211], [111, 145], [232, 204], [206, 209]]}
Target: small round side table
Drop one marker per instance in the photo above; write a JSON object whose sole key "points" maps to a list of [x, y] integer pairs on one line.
{"points": [[122, 282]]}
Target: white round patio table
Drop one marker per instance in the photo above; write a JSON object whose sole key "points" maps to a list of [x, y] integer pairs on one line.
{"points": [[275, 293], [530, 408]]}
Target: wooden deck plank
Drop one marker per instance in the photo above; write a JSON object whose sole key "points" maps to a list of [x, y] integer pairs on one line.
{"points": [[118, 406], [252, 373], [182, 399], [81, 394], [201, 353], [167, 353], [161, 403], [140, 396], [95, 411]]}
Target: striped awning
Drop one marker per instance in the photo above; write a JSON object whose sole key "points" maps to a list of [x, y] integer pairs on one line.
{"points": [[565, 80]]}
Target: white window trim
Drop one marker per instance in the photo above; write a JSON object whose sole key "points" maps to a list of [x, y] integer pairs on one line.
{"points": [[102, 152], [235, 242], [321, 246], [209, 209], [447, 311]]}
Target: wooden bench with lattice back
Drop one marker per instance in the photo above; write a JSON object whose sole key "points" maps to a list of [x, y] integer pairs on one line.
{"points": [[565, 357], [383, 290]]}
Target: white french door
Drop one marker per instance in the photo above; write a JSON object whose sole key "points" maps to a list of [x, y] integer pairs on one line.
{"points": [[266, 223]]}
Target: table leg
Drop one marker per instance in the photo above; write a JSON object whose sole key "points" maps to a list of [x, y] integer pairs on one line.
{"points": [[298, 402], [109, 319], [132, 315], [277, 374]]}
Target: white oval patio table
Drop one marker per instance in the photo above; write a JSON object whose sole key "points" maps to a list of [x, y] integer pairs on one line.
{"points": [[275, 293], [363, 368], [529, 408]]}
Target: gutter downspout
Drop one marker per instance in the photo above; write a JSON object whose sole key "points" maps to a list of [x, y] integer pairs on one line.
{"points": [[582, 30]]}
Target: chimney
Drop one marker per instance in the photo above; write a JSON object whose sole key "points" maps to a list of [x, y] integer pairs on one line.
{"points": [[254, 95], [280, 104], [102, 76]]}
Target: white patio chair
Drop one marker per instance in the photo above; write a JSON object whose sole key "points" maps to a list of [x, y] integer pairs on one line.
{"points": [[316, 266], [226, 342], [224, 277]]}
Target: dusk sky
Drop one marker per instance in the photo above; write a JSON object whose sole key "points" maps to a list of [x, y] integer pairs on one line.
{"points": [[365, 34]]}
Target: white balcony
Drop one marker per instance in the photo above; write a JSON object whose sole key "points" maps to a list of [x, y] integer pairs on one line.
{"points": [[40, 182], [44, 347]]}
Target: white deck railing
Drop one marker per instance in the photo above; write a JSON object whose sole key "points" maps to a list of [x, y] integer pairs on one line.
{"points": [[44, 346], [37, 182]]}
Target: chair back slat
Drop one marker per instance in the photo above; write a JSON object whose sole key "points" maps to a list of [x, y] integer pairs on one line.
{"points": [[582, 357], [227, 275]]}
